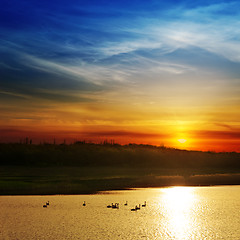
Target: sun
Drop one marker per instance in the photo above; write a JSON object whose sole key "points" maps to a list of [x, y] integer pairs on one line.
{"points": [[182, 140]]}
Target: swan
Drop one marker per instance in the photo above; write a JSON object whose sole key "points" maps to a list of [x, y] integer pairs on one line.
{"points": [[84, 203], [116, 205], [137, 208], [145, 204], [109, 206]]}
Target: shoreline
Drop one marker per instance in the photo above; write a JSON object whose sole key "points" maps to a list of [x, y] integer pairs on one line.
{"points": [[123, 189]]}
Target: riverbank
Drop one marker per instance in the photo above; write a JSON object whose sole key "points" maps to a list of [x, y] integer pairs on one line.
{"points": [[88, 168]]}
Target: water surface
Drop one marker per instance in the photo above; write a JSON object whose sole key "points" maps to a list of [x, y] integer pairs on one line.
{"points": [[171, 213]]}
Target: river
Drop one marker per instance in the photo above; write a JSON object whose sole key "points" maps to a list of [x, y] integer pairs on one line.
{"points": [[170, 213]]}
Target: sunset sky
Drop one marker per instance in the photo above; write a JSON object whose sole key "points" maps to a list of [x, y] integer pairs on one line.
{"points": [[149, 72]]}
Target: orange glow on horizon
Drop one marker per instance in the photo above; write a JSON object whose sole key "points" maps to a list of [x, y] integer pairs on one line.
{"points": [[129, 135], [124, 125]]}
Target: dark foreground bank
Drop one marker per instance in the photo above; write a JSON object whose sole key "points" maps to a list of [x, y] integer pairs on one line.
{"points": [[87, 168]]}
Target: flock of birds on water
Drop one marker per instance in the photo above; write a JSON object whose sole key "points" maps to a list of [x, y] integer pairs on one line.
{"points": [[137, 207], [113, 206]]}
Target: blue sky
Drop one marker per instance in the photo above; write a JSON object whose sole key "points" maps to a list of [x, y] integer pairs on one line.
{"points": [[175, 54]]}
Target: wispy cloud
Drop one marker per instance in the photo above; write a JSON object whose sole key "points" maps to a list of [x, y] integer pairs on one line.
{"points": [[83, 48]]}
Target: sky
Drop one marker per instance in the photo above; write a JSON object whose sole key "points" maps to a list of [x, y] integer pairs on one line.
{"points": [[149, 72]]}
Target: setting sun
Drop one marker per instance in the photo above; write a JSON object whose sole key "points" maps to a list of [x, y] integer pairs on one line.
{"points": [[182, 140]]}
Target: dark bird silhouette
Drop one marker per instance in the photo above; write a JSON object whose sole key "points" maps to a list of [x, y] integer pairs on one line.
{"points": [[84, 203], [44, 205], [47, 203], [138, 208], [116, 206], [109, 206], [145, 204], [126, 203]]}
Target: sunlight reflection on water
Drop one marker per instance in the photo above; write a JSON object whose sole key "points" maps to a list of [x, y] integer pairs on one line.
{"points": [[178, 203]]}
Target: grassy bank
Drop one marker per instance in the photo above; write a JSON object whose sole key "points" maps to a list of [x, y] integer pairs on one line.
{"points": [[88, 168]]}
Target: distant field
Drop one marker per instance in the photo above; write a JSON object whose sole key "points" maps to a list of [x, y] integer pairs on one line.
{"points": [[88, 168]]}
